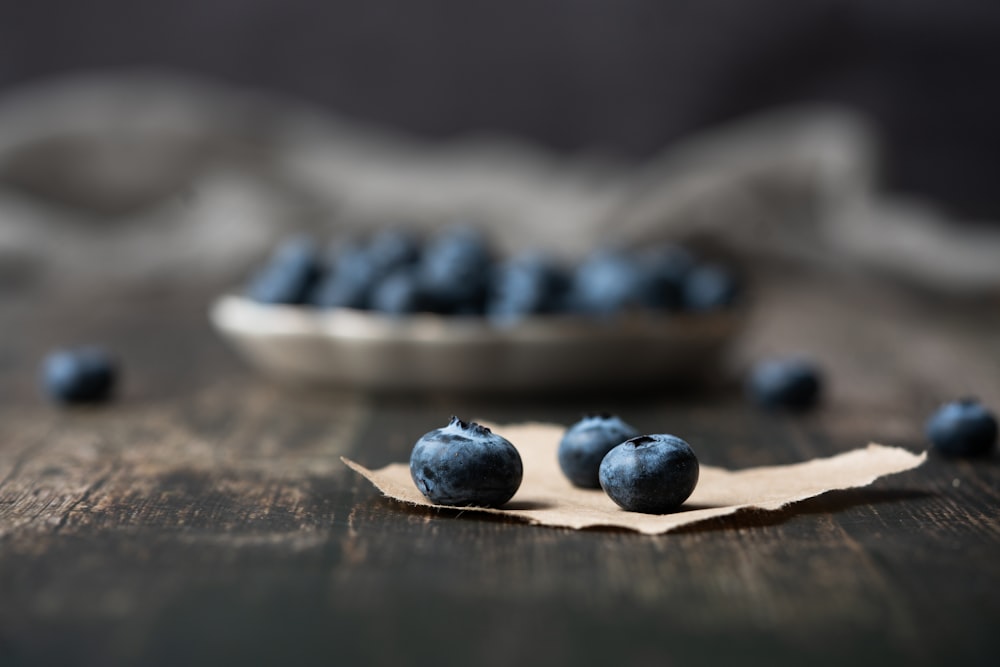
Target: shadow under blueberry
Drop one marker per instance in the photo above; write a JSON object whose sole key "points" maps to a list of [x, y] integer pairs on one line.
{"points": [[385, 502], [527, 505], [691, 507], [831, 502]]}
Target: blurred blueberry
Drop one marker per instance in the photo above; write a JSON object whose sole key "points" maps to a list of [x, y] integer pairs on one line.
{"points": [[79, 375], [349, 280], [653, 474], [607, 283], [391, 249], [785, 383], [710, 287], [399, 293], [289, 275], [585, 444], [461, 239], [665, 270], [962, 428], [525, 285], [454, 272]]}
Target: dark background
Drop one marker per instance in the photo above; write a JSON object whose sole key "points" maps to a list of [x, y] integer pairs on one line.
{"points": [[627, 76]]}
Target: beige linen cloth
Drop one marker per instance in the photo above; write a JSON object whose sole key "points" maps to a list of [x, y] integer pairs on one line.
{"points": [[149, 175]]}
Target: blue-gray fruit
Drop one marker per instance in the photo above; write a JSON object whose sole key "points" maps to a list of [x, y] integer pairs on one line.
{"points": [[391, 249], [709, 287], [585, 444], [349, 280], [525, 285], [454, 272], [793, 384], [289, 274], [399, 293], [665, 270], [653, 474], [608, 283], [80, 375], [962, 428], [465, 464]]}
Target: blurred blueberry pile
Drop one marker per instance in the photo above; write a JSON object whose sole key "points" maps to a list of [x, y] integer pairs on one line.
{"points": [[457, 273]]}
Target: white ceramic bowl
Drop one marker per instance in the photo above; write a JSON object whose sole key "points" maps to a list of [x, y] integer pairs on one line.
{"points": [[431, 352]]}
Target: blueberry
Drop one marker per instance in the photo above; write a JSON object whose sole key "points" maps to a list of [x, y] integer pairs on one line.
{"points": [[525, 285], [465, 464], [794, 384], [391, 249], [459, 241], [454, 272], [289, 274], [585, 444], [79, 375], [665, 270], [349, 280], [962, 428], [653, 474], [399, 293], [607, 283], [709, 287]]}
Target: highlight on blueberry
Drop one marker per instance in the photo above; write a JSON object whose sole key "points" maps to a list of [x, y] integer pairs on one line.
{"points": [[79, 375], [652, 474], [466, 465], [793, 384], [963, 428], [585, 444]]}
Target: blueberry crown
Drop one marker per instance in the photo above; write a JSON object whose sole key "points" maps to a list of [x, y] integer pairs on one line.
{"points": [[641, 440], [472, 427], [598, 415]]}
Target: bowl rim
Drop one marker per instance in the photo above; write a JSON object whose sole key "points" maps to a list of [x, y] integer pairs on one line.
{"points": [[238, 314]]}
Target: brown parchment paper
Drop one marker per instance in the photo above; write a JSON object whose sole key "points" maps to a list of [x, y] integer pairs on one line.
{"points": [[547, 498]]}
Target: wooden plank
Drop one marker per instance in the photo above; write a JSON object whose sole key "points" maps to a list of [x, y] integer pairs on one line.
{"points": [[205, 517]]}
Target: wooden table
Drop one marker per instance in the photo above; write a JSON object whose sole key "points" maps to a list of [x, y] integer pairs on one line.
{"points": [[205, 519]]}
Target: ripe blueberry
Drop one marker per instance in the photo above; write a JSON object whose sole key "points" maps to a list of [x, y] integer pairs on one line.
{"points": [[289, 274], [653, 474], [454, 272], [709, 287], [607, 283], [585, 445], [794, 384], [399, 293], [349, 280], [665, 269], [465, 464], [524, 285], [80, 375], [391, 249], [962, 428]]}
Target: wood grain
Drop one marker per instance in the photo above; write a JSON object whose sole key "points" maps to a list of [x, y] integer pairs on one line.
{"points": [[205, 518]]}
